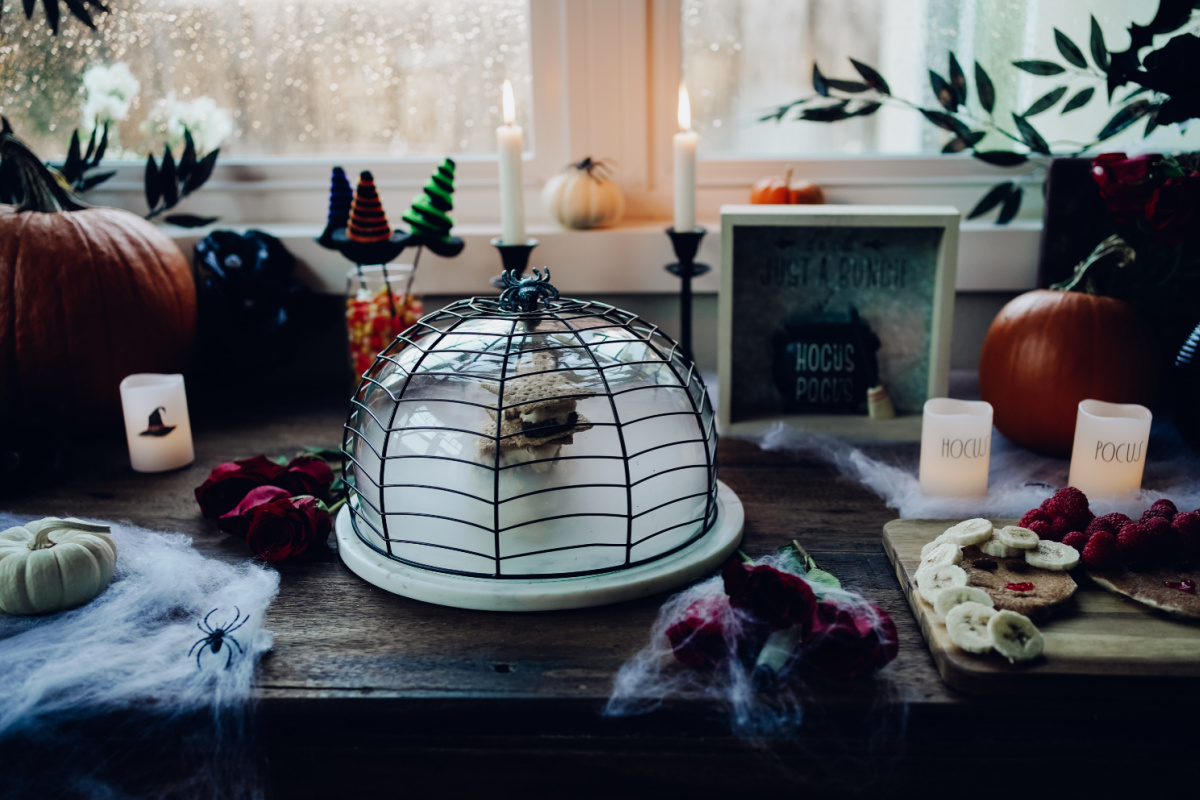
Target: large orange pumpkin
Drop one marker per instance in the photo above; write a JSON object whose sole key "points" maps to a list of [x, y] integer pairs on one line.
{"points": [[1047, 350], [86, 298]]}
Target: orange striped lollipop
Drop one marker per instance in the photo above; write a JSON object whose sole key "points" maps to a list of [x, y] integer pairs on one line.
{"points": [[368, 223]]}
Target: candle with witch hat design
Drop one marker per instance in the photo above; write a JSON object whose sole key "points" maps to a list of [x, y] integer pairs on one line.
{"points": [[157, 427]]}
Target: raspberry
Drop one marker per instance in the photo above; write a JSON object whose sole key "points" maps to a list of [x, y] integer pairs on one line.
{"points": [[1164, 540], [1034, 515], [1101, 524], [1100, 551], [1187, 526], [1075, 539], [1042, 529], [1070, 503], [1134, 543], [1116, 518], [1059, 528], [1160, 508]]}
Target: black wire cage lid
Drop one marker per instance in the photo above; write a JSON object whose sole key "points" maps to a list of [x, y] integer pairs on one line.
{"points": [[530, 436]]}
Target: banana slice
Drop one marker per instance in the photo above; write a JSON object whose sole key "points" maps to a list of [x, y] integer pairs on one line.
{"points": [[947, 599], [1053, 555], [968, 532], [969, 626], [1020, 538], [934, 580], [998, 549], [928, 546], [944, 553], [1014, 636]]}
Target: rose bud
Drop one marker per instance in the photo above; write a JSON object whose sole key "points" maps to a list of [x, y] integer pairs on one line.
{"points": [[850, 642], [307, 475], [778, 599], [288, 529], [699, 639], [237, 521], [228, 483]]}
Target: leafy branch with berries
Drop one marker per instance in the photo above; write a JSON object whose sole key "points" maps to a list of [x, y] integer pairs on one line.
{"points": [[1163, 93]]}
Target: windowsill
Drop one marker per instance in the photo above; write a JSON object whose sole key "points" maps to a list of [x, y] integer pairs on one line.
{"points": [[628, 259]]}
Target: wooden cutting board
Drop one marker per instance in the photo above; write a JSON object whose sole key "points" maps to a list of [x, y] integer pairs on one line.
{"points": [[1096, 641]]}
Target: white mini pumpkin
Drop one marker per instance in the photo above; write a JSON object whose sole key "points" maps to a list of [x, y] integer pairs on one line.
{"points": [[584, 196], [53, 564]]}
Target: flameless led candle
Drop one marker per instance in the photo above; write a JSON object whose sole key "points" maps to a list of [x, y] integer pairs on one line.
{"points": [[685, 167], [956, 447], [156, 422], [512, 202], [1109, 453]]}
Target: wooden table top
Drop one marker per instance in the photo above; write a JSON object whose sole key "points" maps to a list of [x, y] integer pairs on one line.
{"points": [[373, 685]]}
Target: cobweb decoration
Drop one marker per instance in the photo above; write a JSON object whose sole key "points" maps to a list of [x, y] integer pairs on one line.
{"points": [[653, 675], [104, 700], [1018, 479]]}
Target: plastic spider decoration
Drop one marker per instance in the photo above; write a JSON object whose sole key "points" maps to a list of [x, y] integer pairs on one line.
{"points": [[214, 638], [523, 294]]}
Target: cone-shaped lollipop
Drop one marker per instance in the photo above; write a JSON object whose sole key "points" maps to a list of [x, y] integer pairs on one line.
{"points": [[428, 218], [368, 223], [340, 198]]}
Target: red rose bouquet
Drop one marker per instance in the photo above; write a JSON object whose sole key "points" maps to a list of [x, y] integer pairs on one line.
{"points": [[276, 506]]}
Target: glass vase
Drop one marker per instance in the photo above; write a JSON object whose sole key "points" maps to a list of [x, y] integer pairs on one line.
{"points": [[380, 303]]}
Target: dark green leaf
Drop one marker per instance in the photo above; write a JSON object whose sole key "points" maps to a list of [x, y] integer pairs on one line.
{"points": [[1000, 158], [818, 81], [1134, 93], [1151, 121], [1124, 118], [103, 146], [1039, 67], [958, 81], [1099, 51], [960, 143], [324, 453], [833, 113], [189, 220], [91, 148], [1010, 208], [946, 122], [942, 91], [29, 4], [1030, 136], [204, 169], [993, 198], [866, 109], [79, 10], [51, 7], [1069, 50], [1046, 101], [188, 160], [73, 167], [987, 92], [853, 87], [873, 78], [166, 178], [95, 180], [153, 193], [1080, 100]]}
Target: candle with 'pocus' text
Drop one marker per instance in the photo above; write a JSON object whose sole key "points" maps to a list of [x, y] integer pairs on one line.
{"points": [[1109, 453]]}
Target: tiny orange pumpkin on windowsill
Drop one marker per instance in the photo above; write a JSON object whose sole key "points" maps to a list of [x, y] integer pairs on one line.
{"points": [[782, 190]]}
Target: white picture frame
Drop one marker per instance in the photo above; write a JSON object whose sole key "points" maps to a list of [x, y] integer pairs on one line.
{"points": [[769, 282]]}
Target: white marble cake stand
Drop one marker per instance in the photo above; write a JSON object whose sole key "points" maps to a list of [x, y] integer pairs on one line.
{"points": [[492, 594]]}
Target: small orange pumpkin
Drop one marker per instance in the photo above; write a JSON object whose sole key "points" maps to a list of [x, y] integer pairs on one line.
{"points": [[781, 190], [1047, 350]]}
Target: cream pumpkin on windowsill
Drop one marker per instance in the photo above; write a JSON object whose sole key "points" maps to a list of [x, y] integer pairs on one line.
{"points": [[54, 564], [584, 196]]}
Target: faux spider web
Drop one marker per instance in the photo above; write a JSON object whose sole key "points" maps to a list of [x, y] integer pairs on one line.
{"points": [[120, 663]]}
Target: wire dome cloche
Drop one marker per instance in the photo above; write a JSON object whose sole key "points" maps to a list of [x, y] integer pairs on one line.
{"points": [[529, 452]]}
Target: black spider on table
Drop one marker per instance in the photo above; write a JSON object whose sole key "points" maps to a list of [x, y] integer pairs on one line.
{"points": [[215, 637]]}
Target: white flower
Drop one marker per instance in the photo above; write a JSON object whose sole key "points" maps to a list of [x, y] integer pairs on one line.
{"points": [[110, 92], [209, 124]]}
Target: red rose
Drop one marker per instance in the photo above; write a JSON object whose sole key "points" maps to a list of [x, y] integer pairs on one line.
{"points": [[228, 483], [237, 521], [1171, 210], [307, 475], [778, 599], [698, 639], [851, 642], [1124, 183], [288, 529]]}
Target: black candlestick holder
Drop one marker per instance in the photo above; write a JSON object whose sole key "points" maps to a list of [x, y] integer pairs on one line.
{"points": [[686, 245], [513, 257]]}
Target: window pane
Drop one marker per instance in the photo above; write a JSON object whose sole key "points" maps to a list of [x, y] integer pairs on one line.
{"points": [[272, 77], [742, 59]]}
